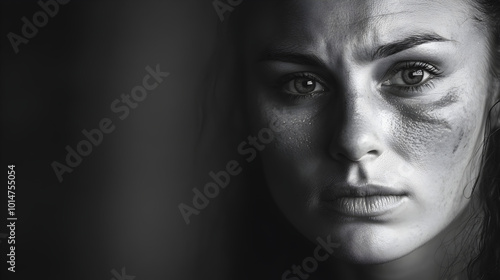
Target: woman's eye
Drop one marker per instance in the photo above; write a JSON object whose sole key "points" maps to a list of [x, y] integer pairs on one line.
{"points": [[409, 77], [303, 86]]}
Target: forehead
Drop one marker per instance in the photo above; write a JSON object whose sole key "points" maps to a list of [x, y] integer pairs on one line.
{"points": [[345, 25]]}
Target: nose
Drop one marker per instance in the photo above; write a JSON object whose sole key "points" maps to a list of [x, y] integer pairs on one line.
{"points": [[357, 129]]}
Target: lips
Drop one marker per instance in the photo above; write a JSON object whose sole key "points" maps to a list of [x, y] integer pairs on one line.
{"points": [[363, 201]]}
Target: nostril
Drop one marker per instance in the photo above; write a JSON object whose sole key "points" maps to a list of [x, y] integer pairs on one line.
{"points": [[359, 158], [358, 133], [343, 156]]}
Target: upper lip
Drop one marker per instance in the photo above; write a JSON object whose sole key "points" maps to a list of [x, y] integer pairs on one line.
{"points": [[339, 191]]}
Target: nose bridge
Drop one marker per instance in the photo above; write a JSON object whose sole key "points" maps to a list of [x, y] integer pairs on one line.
{"points": [[358, 118], [359, 103], [358, 127]]}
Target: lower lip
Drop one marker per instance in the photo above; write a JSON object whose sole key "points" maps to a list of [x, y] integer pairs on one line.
{"points": [[366, 206]]}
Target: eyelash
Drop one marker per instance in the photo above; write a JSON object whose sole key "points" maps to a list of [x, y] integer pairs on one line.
{"points": [[434, 71]]}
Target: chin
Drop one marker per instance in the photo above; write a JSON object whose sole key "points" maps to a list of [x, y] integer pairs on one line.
{"points": [[358, 254], [366, 243], [370, 249]]}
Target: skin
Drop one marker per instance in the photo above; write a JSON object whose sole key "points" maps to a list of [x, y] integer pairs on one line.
{"points": [[360, 125]]}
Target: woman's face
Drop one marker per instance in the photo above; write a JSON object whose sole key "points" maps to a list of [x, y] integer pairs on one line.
{"points": [[379, 108]]}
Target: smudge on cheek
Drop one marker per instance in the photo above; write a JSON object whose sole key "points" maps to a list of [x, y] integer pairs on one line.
{"points": [[425, 113], [460, 136], [420, 131]]}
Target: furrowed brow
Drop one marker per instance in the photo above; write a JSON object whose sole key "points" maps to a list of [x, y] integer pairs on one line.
{"points": [[292, 57]]}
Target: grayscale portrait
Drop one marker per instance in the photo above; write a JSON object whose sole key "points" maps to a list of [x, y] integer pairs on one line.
{"points": [[250, 139], [373, 126]]}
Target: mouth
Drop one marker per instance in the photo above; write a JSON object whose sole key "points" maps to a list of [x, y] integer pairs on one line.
{"points": [[363, 201]]}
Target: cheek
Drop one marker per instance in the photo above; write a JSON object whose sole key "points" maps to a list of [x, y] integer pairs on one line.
{"points": [[289, 157], [290, 162], [294, 127], [294, 130], [440, 134], [441, 142]]}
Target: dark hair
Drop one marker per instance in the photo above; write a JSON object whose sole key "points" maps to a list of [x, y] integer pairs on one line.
{"points": [[486, 264]]}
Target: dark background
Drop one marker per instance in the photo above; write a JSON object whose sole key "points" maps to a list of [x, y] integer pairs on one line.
{"points": [[119, 207]]}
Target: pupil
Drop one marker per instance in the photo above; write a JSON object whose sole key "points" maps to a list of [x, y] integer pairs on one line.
{"points": [[412, 76], [304, 85]]}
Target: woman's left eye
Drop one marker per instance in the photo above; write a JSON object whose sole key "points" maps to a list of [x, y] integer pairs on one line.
{"points": [[411, 75], [303, 85]]}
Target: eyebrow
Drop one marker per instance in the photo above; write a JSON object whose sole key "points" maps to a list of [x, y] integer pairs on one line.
{"points": [[381, 52], [292, 57], [407, 43]]}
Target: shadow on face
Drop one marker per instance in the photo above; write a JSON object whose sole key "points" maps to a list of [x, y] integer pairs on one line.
{"points": [[379, 109]]}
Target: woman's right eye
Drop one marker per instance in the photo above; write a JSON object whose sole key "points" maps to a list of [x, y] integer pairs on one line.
{"points": [[303, 84]]}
